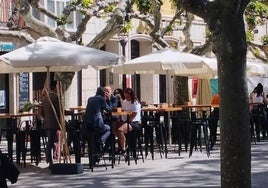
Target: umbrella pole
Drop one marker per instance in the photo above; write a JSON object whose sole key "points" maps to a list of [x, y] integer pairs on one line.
{"points": [[168, 113], [63, 139], [48, 78]]}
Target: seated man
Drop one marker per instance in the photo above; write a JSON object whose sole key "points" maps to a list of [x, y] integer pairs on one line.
{"points": [[93, 119]]}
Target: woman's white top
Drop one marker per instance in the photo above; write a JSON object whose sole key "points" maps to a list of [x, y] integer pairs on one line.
{"points": [[132, 107], [257, 99]]}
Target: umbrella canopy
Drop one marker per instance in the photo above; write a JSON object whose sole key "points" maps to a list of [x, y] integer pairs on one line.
{"points": [[203, 92], [169, 61], [58, 56], [256, 68]]}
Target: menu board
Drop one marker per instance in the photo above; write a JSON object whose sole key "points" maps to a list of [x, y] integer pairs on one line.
{"points": [[23, 88]]}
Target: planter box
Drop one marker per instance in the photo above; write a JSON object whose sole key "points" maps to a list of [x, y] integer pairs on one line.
{"points": [[66, 168]]}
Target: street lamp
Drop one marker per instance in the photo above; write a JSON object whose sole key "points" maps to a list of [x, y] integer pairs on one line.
{"points": [[123, 40]]}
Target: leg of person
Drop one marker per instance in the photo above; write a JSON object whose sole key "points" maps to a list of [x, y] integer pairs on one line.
{"points": [[106, 133], [3, 183], [103, 133], [50, 143], [213, 132], [124, 129], [56, 148]]}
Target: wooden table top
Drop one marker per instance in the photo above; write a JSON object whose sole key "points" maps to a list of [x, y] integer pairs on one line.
{"points": [[78, 108], [157, 109], [4, 115], [122, 113], [8, 115]]}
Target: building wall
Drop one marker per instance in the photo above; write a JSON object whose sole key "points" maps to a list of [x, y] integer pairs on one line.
{"points": [[150, 83]]}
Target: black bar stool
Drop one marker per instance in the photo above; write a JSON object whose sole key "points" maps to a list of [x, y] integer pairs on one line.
{"points": [[199, 125]]}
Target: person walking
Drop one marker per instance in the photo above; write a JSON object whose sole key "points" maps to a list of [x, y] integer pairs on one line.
{"points": [[50, 112]]}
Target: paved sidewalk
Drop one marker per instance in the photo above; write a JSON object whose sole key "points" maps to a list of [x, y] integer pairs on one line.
{"points": [[176, 171]]}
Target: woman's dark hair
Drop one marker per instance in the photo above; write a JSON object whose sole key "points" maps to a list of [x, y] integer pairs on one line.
{"points": [[100, 91], [121, 93], [132, 94], [259, 89]]}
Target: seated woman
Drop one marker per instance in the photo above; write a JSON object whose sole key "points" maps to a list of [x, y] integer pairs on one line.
{"points": [[120, 128]]}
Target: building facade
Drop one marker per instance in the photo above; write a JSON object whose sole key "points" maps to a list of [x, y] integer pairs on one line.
{"points": [[149, 88]]}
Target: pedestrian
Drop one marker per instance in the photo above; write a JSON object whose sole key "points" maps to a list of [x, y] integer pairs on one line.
{"points": [[50, 111], [258, 112]]}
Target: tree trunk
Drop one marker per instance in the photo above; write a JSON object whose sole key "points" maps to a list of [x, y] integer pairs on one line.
{"points": [[181, 93], [230, 46]]}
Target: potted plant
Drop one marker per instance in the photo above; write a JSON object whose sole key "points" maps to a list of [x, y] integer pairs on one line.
{"points": [[27, 107]]}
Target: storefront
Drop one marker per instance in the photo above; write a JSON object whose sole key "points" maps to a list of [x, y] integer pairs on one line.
{"points": [[4, 79]]}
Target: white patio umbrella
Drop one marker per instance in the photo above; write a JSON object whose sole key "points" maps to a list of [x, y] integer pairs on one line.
{"points": [[256, 68], [203, 92], [51, 54], [169, 61]]}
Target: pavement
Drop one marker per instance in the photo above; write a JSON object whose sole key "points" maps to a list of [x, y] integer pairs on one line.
{"points": [[199, 170]]}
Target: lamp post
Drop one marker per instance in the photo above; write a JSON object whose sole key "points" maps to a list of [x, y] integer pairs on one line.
{"points": [[123, 42]]}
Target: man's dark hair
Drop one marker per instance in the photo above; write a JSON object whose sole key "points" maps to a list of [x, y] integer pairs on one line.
{"points": [[53, 84], [100, 91]]}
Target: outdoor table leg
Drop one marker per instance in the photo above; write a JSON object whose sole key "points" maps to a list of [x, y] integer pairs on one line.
{"points": [[128, 143], [77, 146], [10, 143], [113, 149]]}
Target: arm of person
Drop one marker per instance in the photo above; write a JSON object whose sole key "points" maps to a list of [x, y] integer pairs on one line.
{"points": [[251, 96], [105, 106], [114, 101], [132, 116], [265, 101]]}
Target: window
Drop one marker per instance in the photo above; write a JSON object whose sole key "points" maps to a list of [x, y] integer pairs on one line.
{"points": [[135, 52], [56, 6]]}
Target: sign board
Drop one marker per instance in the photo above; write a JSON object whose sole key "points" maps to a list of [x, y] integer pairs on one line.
{"points": [[6, 46], [23, 88]]}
